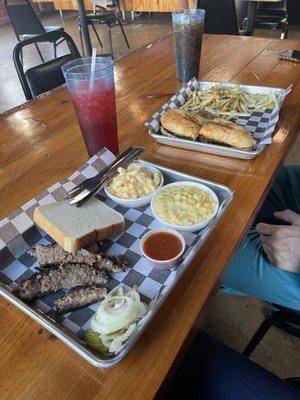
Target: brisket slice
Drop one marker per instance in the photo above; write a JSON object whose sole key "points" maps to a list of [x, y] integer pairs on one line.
{"points": [[66, 276], [50, 255], [55, 254], [80, 298]]}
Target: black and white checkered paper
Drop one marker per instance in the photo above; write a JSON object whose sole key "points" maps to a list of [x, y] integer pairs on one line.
{"points": [[261, 124], [18, 234]]}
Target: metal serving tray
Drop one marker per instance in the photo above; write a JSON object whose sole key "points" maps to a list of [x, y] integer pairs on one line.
{"points": [[256, 123], [206, 147], [164, 283]]}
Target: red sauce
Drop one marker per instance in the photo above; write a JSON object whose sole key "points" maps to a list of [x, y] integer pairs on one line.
{"points": [[162, 246]]}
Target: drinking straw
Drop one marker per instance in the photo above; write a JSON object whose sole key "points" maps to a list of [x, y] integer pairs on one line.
{"points": [[93, 66]]}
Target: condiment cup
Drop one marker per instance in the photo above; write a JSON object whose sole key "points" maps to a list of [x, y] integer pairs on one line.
{"points": [[193, 227], [142, 201], [163, 264]]}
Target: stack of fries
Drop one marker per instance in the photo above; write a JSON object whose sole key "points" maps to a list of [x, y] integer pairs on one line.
{"points": [[229, 102]]}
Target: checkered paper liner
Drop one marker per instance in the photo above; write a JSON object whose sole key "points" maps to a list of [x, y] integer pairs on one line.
{"points": [[18, 234], [261, 124]]}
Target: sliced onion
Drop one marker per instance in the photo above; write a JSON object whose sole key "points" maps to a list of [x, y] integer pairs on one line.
{"points": [[116, 317], [118, 343], [114, 314]]}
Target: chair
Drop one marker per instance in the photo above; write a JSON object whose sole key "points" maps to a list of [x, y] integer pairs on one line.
{"points": [[212, 371], [104, 18], [46, 76], [284, 318], [26, 24], [272, 16], [107, 4], [220, 17]]}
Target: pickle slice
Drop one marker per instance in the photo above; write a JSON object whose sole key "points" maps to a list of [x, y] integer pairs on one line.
{"points": [[94, 342]]}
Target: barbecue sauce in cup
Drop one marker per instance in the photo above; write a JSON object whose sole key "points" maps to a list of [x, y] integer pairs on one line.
{"points": [[162, 246]]}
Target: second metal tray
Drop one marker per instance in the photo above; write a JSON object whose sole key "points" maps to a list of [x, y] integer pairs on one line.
{"points": [[179, 99], [207, 147]]}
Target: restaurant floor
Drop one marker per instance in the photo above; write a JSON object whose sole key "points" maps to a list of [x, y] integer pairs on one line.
{"points": [[233, 320]]}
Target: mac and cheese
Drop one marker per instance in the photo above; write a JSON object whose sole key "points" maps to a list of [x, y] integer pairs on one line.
{"points": [[133, 182]]}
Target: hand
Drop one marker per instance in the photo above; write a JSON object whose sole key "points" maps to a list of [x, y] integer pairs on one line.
{"points": [[281, 243]]}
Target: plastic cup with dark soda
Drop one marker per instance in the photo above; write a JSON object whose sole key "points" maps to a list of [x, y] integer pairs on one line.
{"points": [[94, 101], [188, 31]]}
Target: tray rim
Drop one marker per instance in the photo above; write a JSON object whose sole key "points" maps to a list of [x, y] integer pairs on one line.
{"points": [[78, 345], [207, 147], [242, 85]]}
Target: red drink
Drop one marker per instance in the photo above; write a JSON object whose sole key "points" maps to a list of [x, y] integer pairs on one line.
{"points": [[93, 95], [96, 113]]}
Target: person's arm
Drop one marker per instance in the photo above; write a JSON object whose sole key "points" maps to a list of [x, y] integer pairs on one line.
{"points": [[281, 243]]}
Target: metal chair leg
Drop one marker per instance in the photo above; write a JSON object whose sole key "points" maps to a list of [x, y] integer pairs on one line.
{"points": [[259, 334], [283, 35], [81, 41], [293, 381], [39, 51], [97, 36], [289, 327], [55, 50], [61, 16], [21, 56], [122, 29], [110, 42]]}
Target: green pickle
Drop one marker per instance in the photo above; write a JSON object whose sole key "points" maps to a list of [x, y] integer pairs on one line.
{"points": [[94, 342]]}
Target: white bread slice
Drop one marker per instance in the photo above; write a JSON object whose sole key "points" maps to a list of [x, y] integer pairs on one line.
{"points": [[76, 227]]}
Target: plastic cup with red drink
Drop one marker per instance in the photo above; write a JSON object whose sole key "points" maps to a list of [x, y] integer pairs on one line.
{"points": [[93, 95]]}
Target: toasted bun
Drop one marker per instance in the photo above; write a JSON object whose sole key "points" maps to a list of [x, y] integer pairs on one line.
{"points": [[227, 133], [179, 122], [191, 125], [76, 227]]}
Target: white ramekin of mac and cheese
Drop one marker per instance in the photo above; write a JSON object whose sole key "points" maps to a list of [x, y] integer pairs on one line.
{"points": [[135, 185]]}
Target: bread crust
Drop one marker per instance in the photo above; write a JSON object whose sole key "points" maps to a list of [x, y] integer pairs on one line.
{"points": [[179, 122], [230, 134], [72, 244], [187, 124]]}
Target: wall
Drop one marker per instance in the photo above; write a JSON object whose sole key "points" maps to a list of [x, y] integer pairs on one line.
{"points": [[4, 18]]}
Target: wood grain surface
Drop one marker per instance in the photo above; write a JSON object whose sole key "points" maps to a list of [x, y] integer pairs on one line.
{"points": [[264, 1], [70, 4], [40, 143], [157, 5], [129, 5]]}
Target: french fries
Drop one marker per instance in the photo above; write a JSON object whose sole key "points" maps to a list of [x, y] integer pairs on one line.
{"points": [[228, 102]]}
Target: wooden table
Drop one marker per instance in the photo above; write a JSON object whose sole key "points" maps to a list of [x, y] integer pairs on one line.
{"points": [[251, 12], [40, 143]]}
